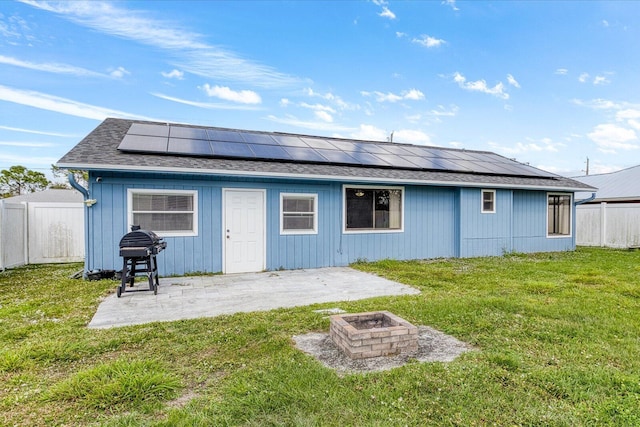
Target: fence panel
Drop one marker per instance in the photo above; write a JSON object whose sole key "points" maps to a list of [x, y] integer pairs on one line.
{"points": [[608, 224], [13, 232], [56, 232]]}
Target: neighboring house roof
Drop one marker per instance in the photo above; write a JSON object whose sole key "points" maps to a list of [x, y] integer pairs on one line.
{"points": [[99, 151], [623, 185], [48, 196]]}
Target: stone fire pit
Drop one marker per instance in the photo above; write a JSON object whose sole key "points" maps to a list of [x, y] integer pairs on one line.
{"points": [[373, 334]]}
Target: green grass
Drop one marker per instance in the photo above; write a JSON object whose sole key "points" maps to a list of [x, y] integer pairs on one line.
{"points": [[557, 338]]}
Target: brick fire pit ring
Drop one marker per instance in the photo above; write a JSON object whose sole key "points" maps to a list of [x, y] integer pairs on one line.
{"points": [[372, 334]]}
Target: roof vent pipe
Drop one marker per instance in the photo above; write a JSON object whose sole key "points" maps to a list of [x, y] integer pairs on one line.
{"points": [[74, 184]]}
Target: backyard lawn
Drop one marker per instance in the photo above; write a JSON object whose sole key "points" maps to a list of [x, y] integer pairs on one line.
{"points": [[556, 337]]}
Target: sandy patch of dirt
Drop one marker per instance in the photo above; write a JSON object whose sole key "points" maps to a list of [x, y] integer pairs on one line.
{"points": [[433, 346]]}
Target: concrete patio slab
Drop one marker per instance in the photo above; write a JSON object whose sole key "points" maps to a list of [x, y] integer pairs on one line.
{"points": [[208, 296]]}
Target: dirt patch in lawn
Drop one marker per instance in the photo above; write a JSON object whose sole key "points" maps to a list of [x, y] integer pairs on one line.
{"points": [[433, 346]]}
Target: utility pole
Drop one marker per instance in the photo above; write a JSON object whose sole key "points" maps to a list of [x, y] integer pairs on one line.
{"points": [[587, 170]]}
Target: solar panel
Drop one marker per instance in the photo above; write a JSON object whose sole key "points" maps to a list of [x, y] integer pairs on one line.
{"points": [[258, 138], [337, 156], [196, 147], [368, 159], [149, 129], [224, 135], [305, 154], [232, 149], [319, 143], [188, 133], [289, 141], [214, 142], [151, 144], [272, 152]]}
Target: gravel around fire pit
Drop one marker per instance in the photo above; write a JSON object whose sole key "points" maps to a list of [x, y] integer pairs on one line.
{"points": [[433, 346]]}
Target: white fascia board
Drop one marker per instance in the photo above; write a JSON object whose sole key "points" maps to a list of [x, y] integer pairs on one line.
{"points": [[347, 178]]}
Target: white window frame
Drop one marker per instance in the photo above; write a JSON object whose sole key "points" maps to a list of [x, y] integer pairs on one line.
{"points": [[313, 196], [571, 213], [371, 230], [195, 212], [482, 209]]}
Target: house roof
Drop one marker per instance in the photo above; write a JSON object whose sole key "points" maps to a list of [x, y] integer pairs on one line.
{"points": [[623, 185], [99, 151], [50, 195]]}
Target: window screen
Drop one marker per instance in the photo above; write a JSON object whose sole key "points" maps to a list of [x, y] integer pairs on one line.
{"points": [[164, 212], [299, 213]]}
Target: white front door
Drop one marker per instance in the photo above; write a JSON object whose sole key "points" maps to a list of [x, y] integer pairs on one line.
{"points": [[244, 230]]}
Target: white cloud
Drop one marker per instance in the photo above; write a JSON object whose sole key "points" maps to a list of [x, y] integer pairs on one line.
{"points": [[370, 133], [451, 3], [634, 124], [512, 81], [206, 105], [480, 86], [400, 34], [190, 52], [600, 80], [119, 73], [531, 145], [38, 132], [411, 95], [324, 116], [599, 104], [313, 125], [284, 102], [583, 78], [60, 105], [428, 41], [561, 71], [51, 67], [442, 111], [407, 136], [386, 13], [610, 137], [223, 92], [334, 99], [173, 74], [25, 144], [13, 159], [628, 114]]}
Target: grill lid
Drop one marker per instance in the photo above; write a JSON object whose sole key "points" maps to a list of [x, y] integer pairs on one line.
{"points": [[140, 238]]}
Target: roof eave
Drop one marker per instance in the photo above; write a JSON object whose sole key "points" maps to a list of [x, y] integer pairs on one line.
{"points": [[315, 177]]}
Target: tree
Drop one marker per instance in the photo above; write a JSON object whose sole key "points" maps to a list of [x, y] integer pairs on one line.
{"points": [[19, 180], [82, 177]]}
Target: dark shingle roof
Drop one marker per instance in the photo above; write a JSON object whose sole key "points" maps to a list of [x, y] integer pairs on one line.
{"points": [[99, 151]]}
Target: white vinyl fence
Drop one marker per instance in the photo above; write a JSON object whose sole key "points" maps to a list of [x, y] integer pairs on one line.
{"points": [[35, 233], [611, 225]]}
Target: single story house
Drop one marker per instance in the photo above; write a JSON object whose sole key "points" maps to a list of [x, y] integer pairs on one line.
{"points": [[228, 200], [612, 217]]}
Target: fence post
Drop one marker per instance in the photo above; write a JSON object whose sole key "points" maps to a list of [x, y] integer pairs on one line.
{"points": [[603, 224]]}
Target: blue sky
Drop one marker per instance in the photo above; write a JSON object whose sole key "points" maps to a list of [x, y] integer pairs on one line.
{"points": [[548, 83]]}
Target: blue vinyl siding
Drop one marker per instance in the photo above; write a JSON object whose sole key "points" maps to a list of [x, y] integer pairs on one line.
{"points": [[484, 234], [429, 230], [439, 222], [530, 224]]}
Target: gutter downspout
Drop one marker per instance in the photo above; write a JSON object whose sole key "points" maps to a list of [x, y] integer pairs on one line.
{"points": [[74, 184], [593, 196], [88, 203]]}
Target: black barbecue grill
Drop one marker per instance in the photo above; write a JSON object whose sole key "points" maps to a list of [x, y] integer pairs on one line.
{"points": [[138, 250]]}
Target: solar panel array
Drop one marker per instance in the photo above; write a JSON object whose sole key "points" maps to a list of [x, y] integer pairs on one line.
{"points": [[227, 143]]}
